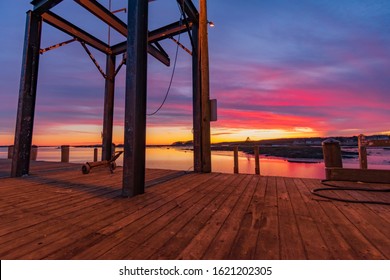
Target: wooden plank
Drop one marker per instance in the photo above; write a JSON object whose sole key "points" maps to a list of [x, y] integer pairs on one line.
{"points": [[362, 175], [246, 239], [123, 228], [268, 241], [88, 219], [365, 250], [172, 248], [62, 244], [372, 227], [335, 242], [314, 245], [291, 245], [152, 237], [199, 245], [223, 243]]}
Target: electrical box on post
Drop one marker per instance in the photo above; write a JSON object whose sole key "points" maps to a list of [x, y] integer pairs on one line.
{"points": [[213, 110]]}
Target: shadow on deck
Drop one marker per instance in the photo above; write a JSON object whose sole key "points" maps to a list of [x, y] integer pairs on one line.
{"points": [[59, 213]]}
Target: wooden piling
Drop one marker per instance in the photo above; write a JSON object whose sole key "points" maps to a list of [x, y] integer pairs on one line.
{"points": [[34, 152], [362, 152], [95, 154], [235, 149], [332, 153], [113, 147], [65, 153], [257, 160], [10, 151]]}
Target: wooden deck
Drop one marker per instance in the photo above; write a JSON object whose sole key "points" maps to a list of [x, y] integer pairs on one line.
{"points": [[58, 213]]}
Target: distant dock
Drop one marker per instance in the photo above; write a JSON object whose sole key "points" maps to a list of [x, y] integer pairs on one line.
{"points": [[59, 213]]}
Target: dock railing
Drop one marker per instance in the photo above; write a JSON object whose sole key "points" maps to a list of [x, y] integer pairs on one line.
{"points": [[257, 160], [334, 167]]}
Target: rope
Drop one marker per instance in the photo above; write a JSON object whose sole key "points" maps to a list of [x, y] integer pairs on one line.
{"points": [[332, 187]]}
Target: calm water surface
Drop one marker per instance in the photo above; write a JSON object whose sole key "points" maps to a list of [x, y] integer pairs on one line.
{"points": [[181, 159]]}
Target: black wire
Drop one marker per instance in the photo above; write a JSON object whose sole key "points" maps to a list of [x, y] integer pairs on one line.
{"points": [[170, 82], [338, 188]]}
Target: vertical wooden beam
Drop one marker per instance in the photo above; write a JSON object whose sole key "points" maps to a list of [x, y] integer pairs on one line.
{"points": [[65, 152], [205, 86], [257, 160], [201, 105], [95, 154], [332, 155], [108, 119], [10, 151], [362, 148], [27, 96], [135, 102], [235, 156]]}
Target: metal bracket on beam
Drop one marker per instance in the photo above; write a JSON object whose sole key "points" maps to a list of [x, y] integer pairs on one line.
{"points": [[74, 31], [56, 46], [181, 45], [123, 62], [94, 60]]}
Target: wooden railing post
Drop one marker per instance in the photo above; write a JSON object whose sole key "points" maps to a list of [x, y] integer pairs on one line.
{"points": [[65, 153], [112, 150], [362, 151], [34, 152], [95, 154], [235, 149], [10, 151], [257, 160], [332, 153]]}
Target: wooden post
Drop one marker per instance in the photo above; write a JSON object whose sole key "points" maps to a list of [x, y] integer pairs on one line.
{"points": [[135, 99], [235, 149], [362, 148], [10, 151], [34, 152], [204, 86], [95, 154], [65, 153], [108, 107], [257, 160], [201, 93], [27, 96], [113, 148], [332, 153]]}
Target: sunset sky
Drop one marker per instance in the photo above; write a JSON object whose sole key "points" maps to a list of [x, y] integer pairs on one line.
{"points": [[278, 68]]}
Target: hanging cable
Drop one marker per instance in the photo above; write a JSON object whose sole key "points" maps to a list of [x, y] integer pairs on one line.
{"points": [[170, 82]]}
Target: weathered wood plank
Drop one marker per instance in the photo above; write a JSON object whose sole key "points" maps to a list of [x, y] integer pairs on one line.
{"points": [[172, 248], [291, 245], [246, 239], [199, 245], [268, 244]]}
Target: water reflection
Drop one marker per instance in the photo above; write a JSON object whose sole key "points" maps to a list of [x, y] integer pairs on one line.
{"points": [[181, 159]]}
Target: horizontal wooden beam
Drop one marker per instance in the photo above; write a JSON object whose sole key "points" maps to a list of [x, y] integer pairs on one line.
{"points": [[74, 31], [378, 143], [358, 175], [42, 6]]}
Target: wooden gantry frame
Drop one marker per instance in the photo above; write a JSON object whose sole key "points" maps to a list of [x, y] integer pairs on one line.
{"points": [[140, 41]]}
